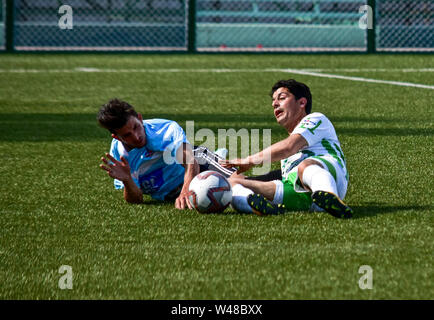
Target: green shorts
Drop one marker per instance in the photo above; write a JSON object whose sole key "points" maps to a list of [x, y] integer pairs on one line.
{"points": [[295, 197], [292, 199]]}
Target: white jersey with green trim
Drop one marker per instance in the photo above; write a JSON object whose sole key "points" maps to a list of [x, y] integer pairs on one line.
{"points": [[322, 140]]}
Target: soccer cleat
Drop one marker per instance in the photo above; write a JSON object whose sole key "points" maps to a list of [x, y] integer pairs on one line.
{"points": [[332, 204], [262, 207]]}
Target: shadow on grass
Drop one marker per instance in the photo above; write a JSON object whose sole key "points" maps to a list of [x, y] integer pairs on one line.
{"points": [[150, 201], [366, 119], [42, 127], [360, 212], [388, 132], [374, 209]]}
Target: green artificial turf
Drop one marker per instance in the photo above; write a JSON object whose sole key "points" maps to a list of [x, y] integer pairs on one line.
{"points": [[58, 208]]}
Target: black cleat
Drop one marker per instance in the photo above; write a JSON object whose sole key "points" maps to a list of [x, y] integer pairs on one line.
{"points": [[332, 204], [262, 207]]}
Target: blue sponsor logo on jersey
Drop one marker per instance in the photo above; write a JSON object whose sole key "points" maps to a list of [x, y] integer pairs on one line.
{"points": [[152, 182]]}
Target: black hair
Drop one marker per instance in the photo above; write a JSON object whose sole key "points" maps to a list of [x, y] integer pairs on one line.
{"points": [[115, 114], [298, 89]]}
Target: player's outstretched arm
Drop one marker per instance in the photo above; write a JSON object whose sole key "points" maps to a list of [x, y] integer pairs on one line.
{"points": [[242, 164], [185, 156], [121, 170], [276, 152]]}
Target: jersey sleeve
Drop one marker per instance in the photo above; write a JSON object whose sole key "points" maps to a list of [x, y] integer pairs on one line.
{"points": [[169, 137], [313, 128]]}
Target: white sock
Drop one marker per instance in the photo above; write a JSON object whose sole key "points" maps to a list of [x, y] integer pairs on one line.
{"points": [[239, 198], [278, 194], [317, 178]]}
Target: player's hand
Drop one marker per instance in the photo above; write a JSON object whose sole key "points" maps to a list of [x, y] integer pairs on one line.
{"points": [[182, 201], [242, 165], [237, 175], [116, 169]]}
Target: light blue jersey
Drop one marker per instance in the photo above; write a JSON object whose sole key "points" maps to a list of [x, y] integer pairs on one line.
{"points": [[154, 167]]}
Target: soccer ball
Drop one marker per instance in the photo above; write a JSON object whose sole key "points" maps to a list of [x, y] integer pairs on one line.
{"points": [[210, 192]]}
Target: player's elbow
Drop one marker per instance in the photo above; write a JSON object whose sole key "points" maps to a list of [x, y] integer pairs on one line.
{"points": [[133, 199]]}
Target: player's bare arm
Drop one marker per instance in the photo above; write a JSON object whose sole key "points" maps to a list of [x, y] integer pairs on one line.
{"points": [[121, 170], [276, 152], [186, 157]]}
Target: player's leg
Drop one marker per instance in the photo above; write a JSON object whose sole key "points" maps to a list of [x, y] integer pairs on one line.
{"points": [[314, 176], [269, 176], [252, 196], [276, 192], [266, 188], [209, 160], [319, 176]]}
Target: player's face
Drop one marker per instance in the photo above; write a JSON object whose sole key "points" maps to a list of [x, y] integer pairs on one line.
{"points": [[132, 134], [288, 111]]}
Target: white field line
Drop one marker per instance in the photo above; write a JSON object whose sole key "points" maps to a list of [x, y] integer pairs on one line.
{"points": [[307, 72], [87, 69], [336, 76]]}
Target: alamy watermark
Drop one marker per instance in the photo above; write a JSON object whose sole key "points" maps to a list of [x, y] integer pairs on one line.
{"points": [[65, 281], [366, 21], [366, 281], [249, 142], [66, 20], [228, 139]]}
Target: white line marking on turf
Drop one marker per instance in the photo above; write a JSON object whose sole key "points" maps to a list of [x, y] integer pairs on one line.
{"points": [[336, 76], [371, 70], [307, 72], [89, 69]]}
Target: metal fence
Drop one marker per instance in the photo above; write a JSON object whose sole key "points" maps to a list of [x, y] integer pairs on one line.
{"points": [[100, 25], [217, 25], [2, 25], [404, 25], [279, 25]]}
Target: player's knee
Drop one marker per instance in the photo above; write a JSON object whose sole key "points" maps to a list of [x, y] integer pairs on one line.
{"points": [[304, 164]]}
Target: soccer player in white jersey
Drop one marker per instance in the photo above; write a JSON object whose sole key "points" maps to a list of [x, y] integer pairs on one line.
{"points": [[151, 156], [313, 166]]}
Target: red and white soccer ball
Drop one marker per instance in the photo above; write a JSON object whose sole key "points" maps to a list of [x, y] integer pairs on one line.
{"points": [[210, 192]]}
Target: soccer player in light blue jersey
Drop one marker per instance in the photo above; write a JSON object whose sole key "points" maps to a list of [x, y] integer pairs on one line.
{"points": [[147, 156], [151, 156]]}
